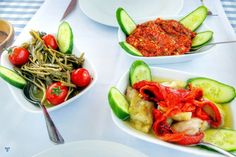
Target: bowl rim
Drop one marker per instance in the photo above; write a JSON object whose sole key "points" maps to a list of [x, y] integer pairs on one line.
{"points": [[11, 33]]}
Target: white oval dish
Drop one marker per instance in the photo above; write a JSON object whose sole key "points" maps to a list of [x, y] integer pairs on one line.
{"points": [[172, 75], [18, 93], [103, 11], [165, 59], [91, 148]]}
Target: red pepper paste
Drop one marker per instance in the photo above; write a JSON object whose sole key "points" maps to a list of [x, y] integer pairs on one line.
{"points": [[161, 38]]}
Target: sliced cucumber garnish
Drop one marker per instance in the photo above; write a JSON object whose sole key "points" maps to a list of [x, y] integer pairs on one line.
{"points": [[139, 71], [194, 19], [65, 38], [125, 22], [214, 90], [118, 103], [12, 77], [202, 38], [130, 49], [223, 138]]}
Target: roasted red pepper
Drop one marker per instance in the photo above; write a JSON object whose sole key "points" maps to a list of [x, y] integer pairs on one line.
{"points": [[214, 113], [175, 101], [163, 130]]}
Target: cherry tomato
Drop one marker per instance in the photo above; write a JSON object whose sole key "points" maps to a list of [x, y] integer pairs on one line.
{"points": [[56, 93], [50, 41], [19, 56], [81, 77]]}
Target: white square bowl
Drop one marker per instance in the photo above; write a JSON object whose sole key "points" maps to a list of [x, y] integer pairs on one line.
{"points": [[18, 93], [172, 75], [165, 59]]}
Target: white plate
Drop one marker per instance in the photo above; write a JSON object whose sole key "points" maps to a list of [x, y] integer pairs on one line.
{"points": [[173, 75], [166, 59], [18, 93], [103, 11], [91, 148]]}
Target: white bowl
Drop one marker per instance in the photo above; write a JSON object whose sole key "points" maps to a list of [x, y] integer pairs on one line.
{"points": [[18, 93], [172, 75], [165, 59]]}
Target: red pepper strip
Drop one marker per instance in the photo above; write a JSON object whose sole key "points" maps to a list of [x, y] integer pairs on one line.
{"points": [[197, 92], [212, 110], [160, 126], [190, 139], [189, 107], [200, 113], [150, 90], [162, 129], [173, 138], [180, 100], [172, 111], [182, 139]]}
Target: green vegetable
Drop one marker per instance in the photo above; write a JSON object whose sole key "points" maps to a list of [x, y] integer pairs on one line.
{"points": [[118, 103], [202, 38], [130, 49], [223, 138], [47, 65], [65, 38], [214, 90], [194, 19], [125, 22], [12, 77], [139, 71]]}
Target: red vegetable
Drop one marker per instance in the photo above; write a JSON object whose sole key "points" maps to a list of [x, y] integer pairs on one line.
{"points": [[19, 56], [161, 38], [190, 139], [175, 101], [56, 93], [180, 100], [163, 130], [81, 77], [213, 112], [50, 41]]}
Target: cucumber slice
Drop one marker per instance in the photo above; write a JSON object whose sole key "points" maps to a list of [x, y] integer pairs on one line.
{"points": [[125, 22], [223, 138], [202, 38], [65, 38], [118, 103], [214, 90], [130, 49], [194, 19], [12, 77], [139, 71], [198, 47]]}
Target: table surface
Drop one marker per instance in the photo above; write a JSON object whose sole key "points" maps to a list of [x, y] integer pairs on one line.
{"points": [[89, 117]]}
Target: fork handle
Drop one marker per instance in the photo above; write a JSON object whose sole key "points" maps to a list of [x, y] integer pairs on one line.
{"points": [[214, 147], [53, 133]]}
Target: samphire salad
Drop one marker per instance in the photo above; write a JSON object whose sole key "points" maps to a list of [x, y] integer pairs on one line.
{"points": [[175, 111], [163, 37], [48, 64]]}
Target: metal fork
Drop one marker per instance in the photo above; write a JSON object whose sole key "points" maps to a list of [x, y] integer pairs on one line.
{"points": [[214, 147], [210, 45]]}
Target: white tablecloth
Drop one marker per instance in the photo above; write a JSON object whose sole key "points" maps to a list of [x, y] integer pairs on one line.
{"points": [[89, 117]]}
